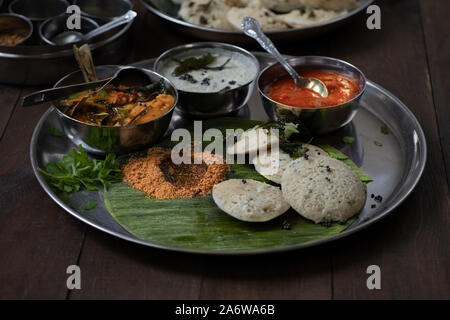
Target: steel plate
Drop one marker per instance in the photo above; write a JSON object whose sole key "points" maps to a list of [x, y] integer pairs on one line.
{"points": [[396, 167], [167, 11]]}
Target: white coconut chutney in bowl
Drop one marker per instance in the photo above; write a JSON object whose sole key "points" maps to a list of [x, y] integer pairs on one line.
{"points": [[212, 78]]}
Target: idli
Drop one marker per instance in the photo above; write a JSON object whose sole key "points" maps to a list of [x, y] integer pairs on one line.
{"points": [[272, 165], [323, 189], [249, 200]]}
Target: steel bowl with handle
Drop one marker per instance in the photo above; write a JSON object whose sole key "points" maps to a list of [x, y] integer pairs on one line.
{"points": [[101, 140], [318, 120]]}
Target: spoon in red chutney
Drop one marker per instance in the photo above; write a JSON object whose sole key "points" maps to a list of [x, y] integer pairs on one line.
{"points": [[252, 29]]}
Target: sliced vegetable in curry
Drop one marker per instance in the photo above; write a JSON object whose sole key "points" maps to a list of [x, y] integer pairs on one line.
{"points": [[119, 106]]}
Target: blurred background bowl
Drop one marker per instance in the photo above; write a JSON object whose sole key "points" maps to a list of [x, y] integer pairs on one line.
{"points": [[104, 11], [203, 105], [54, 26], [101, 140], [317, 120], [38, 11], [10, 22]]}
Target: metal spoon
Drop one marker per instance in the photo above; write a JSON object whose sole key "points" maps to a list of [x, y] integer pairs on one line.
{"points": [[128, 76], [72, 36], [252, 29]]}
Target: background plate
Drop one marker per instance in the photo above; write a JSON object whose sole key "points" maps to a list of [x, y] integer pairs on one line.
{"points": [[167, 10], [396, 167]]}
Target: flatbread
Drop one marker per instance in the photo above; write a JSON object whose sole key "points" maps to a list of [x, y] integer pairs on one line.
{"points": [[288, 5], [266, 18], [211, 13], [308, 17]]}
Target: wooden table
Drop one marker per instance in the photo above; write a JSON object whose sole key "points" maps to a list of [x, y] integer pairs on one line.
{"points": [[410, 56]]}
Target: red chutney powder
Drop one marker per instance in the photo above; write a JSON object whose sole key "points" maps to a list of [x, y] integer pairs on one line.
{"points": [[340, 90]]}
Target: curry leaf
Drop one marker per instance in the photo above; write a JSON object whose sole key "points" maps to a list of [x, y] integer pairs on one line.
{"points": [[193, 63]]}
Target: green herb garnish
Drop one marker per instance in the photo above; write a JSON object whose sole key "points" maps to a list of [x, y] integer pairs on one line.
{"points": [[76, 170], [73, 96], [335, 153], [384, 129], [348, 140], [122, 113], [193, 63], [102, 93], [378, 144], [55, 132], [294, 149], [90, 205], [291, 128]]}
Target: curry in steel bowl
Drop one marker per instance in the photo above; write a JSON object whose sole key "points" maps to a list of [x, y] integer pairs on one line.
{"points": [[118, 105], [119, 117]]}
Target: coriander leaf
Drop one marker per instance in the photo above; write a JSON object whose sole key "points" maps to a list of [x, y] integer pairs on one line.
{"points": [[348, 140], [76, 170], [55, 132], [384, 129], [378, 144], [90, 205]]}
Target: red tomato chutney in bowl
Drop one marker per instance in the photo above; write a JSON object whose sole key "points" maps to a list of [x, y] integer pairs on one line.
{"points": [[340, 90]]}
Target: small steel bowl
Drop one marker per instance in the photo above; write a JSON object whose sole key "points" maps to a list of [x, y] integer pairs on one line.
{"points": [[101, 140], [38, 11], [317, 120], [19, 21], [104, 11], [54, 26], [211, 104]]}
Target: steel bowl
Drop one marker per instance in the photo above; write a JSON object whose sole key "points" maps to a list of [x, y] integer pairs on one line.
{"points": [[101, 140], [23, 65], [17, 18], [317, 120], [54, 26], [38, 11], [213, 104], [104, 11]]}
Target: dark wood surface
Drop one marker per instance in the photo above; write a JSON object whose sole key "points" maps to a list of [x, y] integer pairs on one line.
{"points": [[410, 56]]}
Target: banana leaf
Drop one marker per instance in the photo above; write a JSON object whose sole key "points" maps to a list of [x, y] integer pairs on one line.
{"points": [[198, 224]]}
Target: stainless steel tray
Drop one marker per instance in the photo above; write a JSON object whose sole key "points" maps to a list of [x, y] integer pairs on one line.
{"points": [[167, 10], [396, 167]]}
